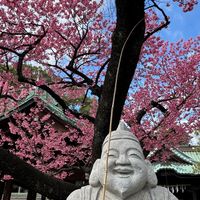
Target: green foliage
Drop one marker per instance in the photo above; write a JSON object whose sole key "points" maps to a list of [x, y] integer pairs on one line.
{"points": [[81, 104]]}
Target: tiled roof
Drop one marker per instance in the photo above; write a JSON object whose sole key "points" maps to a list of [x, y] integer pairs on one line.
{"points": [[194, 155], [51, 105], [190, 156], [177, 167], [182, 155]]}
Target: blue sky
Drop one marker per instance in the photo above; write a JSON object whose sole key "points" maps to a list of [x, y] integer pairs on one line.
{"points": [[182, 25]]}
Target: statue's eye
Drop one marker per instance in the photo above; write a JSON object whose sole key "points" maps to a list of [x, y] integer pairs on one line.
{"points": [[112, 155], [133, 155]]}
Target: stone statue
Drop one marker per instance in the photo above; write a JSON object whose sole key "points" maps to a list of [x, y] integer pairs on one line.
{"points": [[130, 176]]}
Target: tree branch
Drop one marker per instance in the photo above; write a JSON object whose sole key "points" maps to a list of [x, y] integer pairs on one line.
{"points": [[153, 104], [162, 25], [101, 69], [29, 177], [6, 96]]}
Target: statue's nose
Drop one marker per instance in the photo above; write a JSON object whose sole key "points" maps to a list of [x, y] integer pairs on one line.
{"points": [[123, 160]]}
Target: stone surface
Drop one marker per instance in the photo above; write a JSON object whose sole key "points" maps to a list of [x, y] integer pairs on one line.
{"points": [[130, 176]]}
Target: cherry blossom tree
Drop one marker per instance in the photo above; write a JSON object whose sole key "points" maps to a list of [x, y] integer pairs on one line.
{"points": [[71, 42], [170, 85], [36, 139]]}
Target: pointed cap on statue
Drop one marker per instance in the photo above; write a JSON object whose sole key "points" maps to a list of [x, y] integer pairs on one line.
{"points": [[122, 132], [123, 126]]}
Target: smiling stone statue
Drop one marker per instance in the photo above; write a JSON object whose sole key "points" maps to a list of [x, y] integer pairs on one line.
{"points": [[130, 176]]}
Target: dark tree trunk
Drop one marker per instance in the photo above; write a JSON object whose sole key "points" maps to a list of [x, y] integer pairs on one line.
{"points": [[7, 190], [1, 188], [28, 177], [43, 197], [129, 13], [31, 195]]}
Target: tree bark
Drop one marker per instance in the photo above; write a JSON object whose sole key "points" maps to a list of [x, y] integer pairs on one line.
{"points": [[43, 197], [1, 188], [129, 13], [28, 177], [31, 195], [7, 190]]}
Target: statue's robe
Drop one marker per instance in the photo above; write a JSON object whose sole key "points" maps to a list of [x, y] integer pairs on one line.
{"points": [[92, 193]]}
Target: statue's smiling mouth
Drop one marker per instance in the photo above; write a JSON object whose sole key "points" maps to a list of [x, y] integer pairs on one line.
{"points": [[124, 172]]}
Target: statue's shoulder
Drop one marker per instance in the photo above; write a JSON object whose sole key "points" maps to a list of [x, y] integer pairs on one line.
{"points": [[76, 194], [83, 193], [162, 193]]}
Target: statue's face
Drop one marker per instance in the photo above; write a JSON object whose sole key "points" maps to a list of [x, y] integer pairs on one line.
{"points": [[127, 170]]}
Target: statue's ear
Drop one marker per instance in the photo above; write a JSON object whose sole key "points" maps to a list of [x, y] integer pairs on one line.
{"points": [[94, 175], [152, 178]]}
